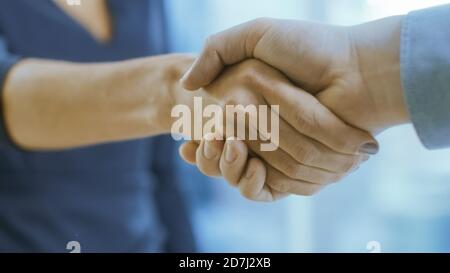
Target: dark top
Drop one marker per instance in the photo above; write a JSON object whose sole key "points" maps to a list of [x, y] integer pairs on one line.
{"points": [[109, 198]]}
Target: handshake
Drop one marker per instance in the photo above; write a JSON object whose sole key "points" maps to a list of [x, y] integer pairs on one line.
{"points": [[334, 87], [318, 92]]}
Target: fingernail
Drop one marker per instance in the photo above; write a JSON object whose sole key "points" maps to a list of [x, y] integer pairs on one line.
{"points": [[369, 148], [209, 150], [230, 154]]}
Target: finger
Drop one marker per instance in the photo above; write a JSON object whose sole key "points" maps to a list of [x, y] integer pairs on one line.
{"points": [[285, 164], [225, 48], [283, 184], [309, 117], [187, 151], [252, 184], [306, 150], [233, 160], [310, 152], [208, 156]]}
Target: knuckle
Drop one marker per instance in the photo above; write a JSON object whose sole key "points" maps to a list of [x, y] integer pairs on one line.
{"points": [[251, 73], [349, 139], [344, 143], [291, 170], [211, 41], [309, 190], [279, 185], [306, 154], [316, 178], [348, 165], [230, 101], [311, 175], [254, 75], [302, 120], [211, 47], [261, 21]]}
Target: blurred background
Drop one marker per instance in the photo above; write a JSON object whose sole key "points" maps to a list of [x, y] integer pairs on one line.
{"points": [[398, 201]]}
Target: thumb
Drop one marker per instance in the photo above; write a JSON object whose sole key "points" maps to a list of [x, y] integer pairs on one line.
{"points": [[222, 49]]}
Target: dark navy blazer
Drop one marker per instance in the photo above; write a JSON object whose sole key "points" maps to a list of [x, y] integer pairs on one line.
{"points": [[119, 197]]}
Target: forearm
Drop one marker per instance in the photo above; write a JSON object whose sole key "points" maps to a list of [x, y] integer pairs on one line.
{"points": [[57, 105], [378, 47]]}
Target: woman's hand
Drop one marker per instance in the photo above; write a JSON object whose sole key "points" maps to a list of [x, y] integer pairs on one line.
{"points": [[231, 160], [58, 105]]}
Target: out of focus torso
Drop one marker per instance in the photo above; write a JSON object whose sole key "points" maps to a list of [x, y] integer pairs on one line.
{"points": [[101, 196]]}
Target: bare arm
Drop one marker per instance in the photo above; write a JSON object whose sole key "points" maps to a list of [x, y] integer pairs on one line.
{"points": [[57, 105]]}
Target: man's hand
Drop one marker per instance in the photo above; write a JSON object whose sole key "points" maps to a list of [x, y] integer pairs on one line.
{"points": [[354, 71], [316, 148]]}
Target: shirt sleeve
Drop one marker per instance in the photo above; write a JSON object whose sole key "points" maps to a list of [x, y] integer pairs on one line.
{"points": [[7, 60], [425, 69]]}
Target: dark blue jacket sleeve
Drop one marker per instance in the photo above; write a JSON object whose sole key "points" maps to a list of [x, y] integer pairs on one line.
{"points": [[7, 60]]}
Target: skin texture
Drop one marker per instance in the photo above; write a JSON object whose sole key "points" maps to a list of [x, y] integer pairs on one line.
{"points": [[345, 67], [316, 148], [51, 105], [354, 71], [58, 105]]}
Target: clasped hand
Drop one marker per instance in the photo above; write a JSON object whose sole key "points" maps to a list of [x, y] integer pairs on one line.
{"points": [[316, 148], [327, 80]]}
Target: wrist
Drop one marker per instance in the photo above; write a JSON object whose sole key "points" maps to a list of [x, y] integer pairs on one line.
{"points": [[377, 46], [144, 92], [175, 66], [56, 105]]}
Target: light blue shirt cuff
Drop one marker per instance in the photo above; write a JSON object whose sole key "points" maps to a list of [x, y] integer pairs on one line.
{"points": [[425, 69]]}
